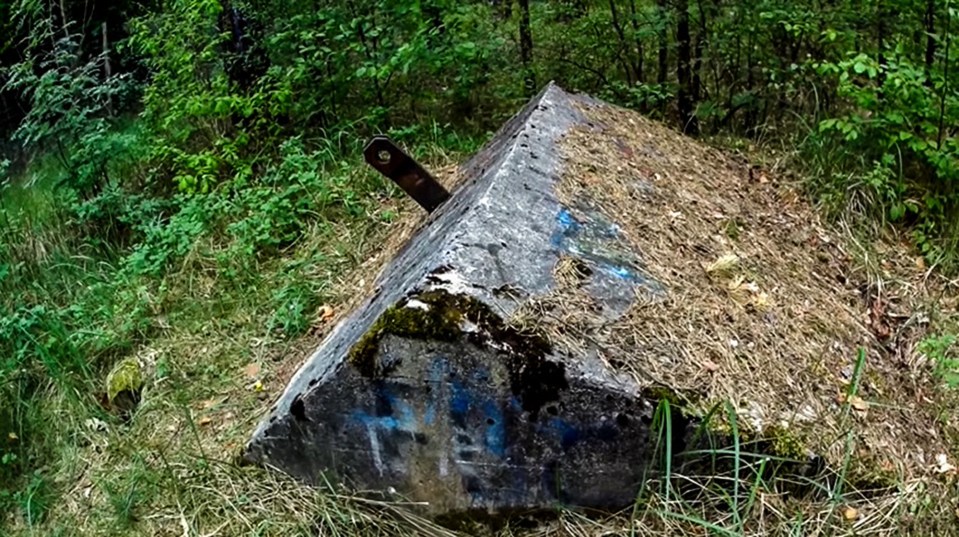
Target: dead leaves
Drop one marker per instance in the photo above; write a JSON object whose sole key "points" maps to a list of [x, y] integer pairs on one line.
{"points": [[725, 266], [943, 466], [857, 403], [878, 319], [325, 313], [748, 293], [854, 401], [744, 291]]}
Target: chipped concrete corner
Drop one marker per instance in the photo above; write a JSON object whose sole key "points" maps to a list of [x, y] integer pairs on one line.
{"points": [[427, 389]]}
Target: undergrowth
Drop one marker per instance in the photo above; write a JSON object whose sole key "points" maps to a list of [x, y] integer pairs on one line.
{"points": [[262, 257]]}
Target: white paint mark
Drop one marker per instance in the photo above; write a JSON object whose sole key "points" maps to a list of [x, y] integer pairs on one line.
{"points": [[452, 282], [419, 305], [444, 464], [375, 449]]}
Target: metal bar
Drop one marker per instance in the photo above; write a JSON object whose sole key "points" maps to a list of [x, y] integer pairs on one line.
{"points": [[383, 155]]}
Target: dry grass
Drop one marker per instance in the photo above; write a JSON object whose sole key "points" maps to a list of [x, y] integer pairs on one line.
{"points": [[764, 306]]}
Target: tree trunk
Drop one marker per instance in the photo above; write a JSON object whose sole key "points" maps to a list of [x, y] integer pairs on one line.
{"points": [[930, 22], [686, 103], [502, 8], [106, 66], [945, 76], [621, 34], [663, 43], [526, 48], [881, 43], [750, 121], [638, 64]]}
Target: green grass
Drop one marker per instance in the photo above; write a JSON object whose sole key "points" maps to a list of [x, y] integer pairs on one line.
{"points": [[194, 299]]}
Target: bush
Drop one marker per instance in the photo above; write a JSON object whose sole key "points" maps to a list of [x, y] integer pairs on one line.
{"points": [[896, 145]]}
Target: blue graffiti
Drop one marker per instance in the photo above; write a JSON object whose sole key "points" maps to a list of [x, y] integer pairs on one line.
{"points": [[468, 428], [624, 273], [583, 240], [459, 403], [495, 437], [478, 427], [568, 434], [568, 226], [463, 400], [406, 421]]}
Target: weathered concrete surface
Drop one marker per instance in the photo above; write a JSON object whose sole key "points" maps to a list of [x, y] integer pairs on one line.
{"points": [[426, 389]]}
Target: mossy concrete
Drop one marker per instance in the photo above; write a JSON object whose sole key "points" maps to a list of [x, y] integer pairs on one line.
{"points": [[429, 389]]}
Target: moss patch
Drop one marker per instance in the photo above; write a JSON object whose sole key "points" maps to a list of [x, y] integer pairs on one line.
{"points": [[402, 319], [784, 443], [439, 316], [124, 384]]}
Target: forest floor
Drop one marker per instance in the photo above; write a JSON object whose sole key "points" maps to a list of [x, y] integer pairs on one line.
{"points": [[213, 371]]}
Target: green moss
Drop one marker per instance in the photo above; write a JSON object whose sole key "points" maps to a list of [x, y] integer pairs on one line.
{"points": [[784, 443], [869, 475], [684, 403], [533, 378], [732, 229], [124, 384], [661, 393], [440, 322]]}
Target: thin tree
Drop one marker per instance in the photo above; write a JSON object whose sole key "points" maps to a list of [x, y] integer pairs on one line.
{"points": [[526, 48], [685, 101]]}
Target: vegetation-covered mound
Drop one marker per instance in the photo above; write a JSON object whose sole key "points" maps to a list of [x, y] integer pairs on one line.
{"points": [[764, 307]]}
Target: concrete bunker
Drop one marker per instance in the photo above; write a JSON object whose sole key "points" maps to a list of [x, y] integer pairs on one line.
{"points": [[431, 388], [590, 263]]}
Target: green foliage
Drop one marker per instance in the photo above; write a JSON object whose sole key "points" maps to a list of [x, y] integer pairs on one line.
{"points": [[69, 98], [897, 124], [189, 107], [893, 141], [941, 351]]}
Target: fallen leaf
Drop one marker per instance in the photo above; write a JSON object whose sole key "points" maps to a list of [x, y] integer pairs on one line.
{"points": [[205, 420], [95, 424], [920, 263], [326, 313], [942, 464], [854, 401], [725, 264], [251, 370], [850, 513]]}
